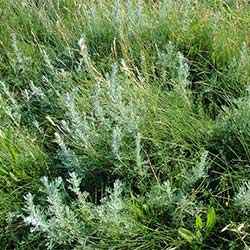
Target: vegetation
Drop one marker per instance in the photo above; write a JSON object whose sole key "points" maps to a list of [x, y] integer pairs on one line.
{"points": [[124, 124]]}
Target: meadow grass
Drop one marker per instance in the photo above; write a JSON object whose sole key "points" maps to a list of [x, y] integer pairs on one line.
{"points": [[124, 124]]}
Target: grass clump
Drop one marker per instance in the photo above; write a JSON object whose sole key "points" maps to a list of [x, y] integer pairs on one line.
{"points": [[22, 162]]}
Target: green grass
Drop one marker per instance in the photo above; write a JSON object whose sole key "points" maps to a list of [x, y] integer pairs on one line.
{"points": [[138, 114]]}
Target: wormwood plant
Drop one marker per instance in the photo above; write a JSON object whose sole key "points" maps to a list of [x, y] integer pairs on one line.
{"points": [[241, 198], [105, 136], [119, 217], [80, 224]]}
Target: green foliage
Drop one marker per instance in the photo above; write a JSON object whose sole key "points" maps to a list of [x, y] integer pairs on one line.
{"points": [[22, 162], [138, 113], [197, 240]]}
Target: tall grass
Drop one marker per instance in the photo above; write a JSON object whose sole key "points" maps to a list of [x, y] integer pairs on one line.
{"points": [[137, 111]]}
